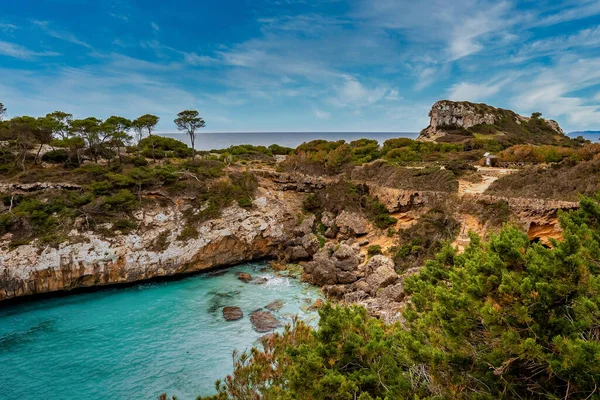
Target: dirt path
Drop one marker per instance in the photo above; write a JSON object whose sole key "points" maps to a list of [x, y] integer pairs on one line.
{"points": [[489, 176], [465, 187]]}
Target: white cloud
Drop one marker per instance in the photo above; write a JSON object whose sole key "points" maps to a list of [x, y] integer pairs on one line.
{"points": [[352, 93], [7, 27], [392, 95], [119, 16], [322, 114], [465, 91], [585, 38], [155, 26], [573, 11], [17, 51], [62, 35], [195, 59], [551, 90]]}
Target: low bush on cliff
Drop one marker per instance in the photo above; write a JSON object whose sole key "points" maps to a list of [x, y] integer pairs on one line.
{"points": [[344, 195], [422, 240], [386, 174], [505, 319], [212, 198]]}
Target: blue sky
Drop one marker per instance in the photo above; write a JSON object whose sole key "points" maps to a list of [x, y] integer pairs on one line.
{"points": [[293, 65]]}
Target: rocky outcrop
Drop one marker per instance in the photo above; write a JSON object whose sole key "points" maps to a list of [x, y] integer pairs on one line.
{"points": [[448, 116], [334, 264], [89, 259], [351, 224], [304, 242]]}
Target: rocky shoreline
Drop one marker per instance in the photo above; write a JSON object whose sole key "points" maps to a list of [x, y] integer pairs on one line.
{"points": [[275, 228]]}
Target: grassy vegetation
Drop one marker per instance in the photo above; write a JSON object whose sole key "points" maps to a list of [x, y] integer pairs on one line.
{"points": [[386, 174], [563, 181]]}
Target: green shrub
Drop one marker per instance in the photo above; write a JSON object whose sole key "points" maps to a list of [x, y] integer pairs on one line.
{"points": [[123, 200], [124, 225], [188, 232], [101, 188], [281, 150], [158, 147], [59, 156], [374, 250]]}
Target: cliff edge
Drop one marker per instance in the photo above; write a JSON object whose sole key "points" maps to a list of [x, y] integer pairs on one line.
{"points": [[452, 121]]}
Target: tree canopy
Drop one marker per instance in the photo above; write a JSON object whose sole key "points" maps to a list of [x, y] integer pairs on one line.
{"points": [[189, 121]]}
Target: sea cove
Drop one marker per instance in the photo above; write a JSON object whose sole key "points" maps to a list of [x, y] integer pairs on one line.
{"points": [[143, 340]]}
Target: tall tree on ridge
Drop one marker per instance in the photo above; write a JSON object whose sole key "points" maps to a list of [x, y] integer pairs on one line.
{"points": [[119, 127], [189, 121], [59, 123], [89, 129], [146, 122], [2, 112]]}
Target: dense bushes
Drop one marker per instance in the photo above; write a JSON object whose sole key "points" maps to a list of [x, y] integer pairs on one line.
{"points": [[158, 147], [422, 240], [549, 154], [505, 319]]}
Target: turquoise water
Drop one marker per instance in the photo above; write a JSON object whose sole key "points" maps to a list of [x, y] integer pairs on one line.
{"points": [[140, 341]]}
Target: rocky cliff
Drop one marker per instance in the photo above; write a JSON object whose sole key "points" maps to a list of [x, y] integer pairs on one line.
{"points": [[458, 121], [271, 228], [89, 259]]}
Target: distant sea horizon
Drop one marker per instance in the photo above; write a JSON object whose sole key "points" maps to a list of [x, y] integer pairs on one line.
{"points": [[222, 140]]}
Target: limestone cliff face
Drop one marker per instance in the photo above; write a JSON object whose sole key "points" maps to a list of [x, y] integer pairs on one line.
{"points": [[90, 260], [448, 115]]}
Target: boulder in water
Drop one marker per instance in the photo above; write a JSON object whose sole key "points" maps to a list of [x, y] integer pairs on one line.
{"points": [[244, 277], [275, 305], [264, 321], [232, 313]]}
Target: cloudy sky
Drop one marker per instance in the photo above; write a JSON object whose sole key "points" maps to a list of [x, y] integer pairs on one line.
{"points": [[301, 65]]}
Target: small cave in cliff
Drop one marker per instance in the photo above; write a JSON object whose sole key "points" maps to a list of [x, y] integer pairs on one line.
{"points": [[543, 233]]}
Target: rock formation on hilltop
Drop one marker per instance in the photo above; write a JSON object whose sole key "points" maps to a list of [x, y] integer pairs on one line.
{"points": [[461, 121]]}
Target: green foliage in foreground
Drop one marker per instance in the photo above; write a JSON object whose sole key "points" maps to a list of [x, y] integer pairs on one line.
{"points": [[505, 319]]}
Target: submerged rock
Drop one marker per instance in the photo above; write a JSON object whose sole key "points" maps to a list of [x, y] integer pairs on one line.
{"points": [[264, 321], [259, 281], [244, 277], [275, 305], [232, 313]]}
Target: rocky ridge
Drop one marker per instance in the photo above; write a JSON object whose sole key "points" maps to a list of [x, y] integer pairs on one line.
{"points": [[446, 116]]}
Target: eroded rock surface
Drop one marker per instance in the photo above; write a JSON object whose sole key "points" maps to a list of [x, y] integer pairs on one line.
{"points": [[89, 259], [334, 264]]}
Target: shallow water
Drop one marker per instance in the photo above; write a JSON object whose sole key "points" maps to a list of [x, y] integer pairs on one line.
{"points": [[140, 341]]}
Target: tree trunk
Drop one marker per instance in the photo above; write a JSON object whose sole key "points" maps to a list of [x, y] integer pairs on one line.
{"points": [[193, 140], [38, 154]]}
